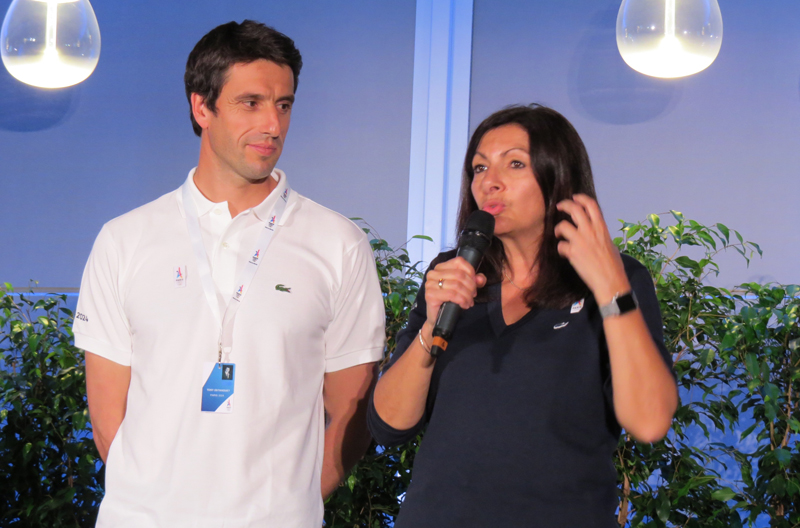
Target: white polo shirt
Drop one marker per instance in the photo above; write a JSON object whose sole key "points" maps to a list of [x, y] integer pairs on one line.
{"points": [[314, 306]]}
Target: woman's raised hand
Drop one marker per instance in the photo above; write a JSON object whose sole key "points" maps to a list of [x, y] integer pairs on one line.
{"points": [[589, 248]]}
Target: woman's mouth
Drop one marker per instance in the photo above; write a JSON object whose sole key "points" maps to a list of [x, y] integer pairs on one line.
{"points": [[494, 208]]}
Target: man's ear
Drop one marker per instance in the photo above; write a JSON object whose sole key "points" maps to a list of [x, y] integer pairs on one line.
{"points": [[202, 114]]}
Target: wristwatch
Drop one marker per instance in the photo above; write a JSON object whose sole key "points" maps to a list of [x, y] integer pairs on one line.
{"points": [[621, 303]]}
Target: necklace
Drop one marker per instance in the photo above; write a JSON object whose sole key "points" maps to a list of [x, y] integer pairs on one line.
{"points": [[505, 274]]}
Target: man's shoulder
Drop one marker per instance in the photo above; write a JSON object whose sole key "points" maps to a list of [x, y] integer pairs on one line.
{"points": [[326, 222], [156, 212]]}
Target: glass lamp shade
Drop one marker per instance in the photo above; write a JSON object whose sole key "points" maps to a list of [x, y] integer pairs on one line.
{"points": [[50, 43], [669, 38]]}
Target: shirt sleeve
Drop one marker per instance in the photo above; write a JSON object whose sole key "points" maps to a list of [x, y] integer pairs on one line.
{"points": [[101, 326], [382, 432], [643, 288], [357, 333]]}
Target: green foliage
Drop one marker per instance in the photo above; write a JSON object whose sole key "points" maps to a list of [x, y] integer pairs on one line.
{"points": [[732, 456], [48, 462], [737, 363], [369, 496]]}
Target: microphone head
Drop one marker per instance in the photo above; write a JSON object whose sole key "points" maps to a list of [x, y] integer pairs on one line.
{"points": [[478, 231], [482, 222]]}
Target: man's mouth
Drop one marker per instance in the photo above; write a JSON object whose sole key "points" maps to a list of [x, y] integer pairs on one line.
{"points": [[264, 149]]}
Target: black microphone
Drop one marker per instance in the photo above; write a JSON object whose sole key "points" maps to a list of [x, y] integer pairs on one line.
{"points": [[475, 239]]}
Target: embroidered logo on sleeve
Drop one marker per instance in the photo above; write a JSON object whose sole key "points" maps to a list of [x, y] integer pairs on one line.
{"points": [[559, 326], [179, 276]]}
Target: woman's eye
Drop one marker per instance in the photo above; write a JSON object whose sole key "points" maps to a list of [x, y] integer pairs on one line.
{"points": [[478, 168], [517, 164]]}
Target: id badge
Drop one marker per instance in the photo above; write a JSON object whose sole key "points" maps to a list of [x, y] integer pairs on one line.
{"points": [[218, 388]]}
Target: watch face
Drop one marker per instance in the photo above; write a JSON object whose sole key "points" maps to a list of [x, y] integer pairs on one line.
{"points": [[627, 303]]}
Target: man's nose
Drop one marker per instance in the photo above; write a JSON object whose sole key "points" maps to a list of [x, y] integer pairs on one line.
{"points": [[269, 122]]}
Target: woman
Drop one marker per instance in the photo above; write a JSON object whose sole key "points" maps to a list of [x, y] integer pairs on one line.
{"points": [[524, 408]]}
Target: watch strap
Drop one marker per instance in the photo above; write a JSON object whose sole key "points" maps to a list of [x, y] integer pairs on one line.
{"points": [[622, 303]]}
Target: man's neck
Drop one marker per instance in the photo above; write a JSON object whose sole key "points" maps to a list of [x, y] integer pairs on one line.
{"points": [[240, 193]]}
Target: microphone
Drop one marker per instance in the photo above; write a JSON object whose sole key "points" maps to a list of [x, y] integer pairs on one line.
{"points": [[475, 239]]}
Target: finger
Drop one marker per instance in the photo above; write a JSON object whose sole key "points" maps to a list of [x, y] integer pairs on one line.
{"points": [[592, 209], [566, 230], [480, 281], [575, 211], [564, 249], [453, 285]]}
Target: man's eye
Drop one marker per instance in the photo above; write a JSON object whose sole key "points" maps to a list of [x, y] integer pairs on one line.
{"points": [[285, 106], [250, 104]]}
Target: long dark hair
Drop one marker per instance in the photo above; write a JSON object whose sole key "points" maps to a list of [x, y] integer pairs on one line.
{"points": [[561, 166]]}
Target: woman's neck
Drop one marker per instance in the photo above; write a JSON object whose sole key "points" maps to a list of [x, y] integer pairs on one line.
{"points": [[521, 254]]}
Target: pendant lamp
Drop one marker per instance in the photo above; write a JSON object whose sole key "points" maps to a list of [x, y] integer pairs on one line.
{"points": [[50, 43], [669, 38]]}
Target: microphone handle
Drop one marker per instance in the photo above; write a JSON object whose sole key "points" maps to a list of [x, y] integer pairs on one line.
{"points": [[449, 312]]}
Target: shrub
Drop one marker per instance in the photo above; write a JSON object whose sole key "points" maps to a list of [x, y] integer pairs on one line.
{"points": [[49, 475]]}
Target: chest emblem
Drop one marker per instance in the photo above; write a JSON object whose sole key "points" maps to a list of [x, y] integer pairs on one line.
{"points": [[179, 276], [559, 326], [281, 287], [577, 306]]}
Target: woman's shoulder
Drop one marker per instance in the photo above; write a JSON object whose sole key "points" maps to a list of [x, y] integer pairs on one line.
{"points": [[632, 265]]}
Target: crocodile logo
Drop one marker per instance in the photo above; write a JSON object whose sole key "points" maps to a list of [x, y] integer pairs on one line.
{"points": [[281, 287]]}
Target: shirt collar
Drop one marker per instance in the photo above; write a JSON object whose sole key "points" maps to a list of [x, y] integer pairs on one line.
{"points": [[262, 210]]}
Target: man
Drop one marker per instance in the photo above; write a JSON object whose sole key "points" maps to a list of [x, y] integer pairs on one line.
{"points": [[225, 320]]}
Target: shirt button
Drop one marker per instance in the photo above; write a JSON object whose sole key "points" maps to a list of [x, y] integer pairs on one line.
{"points": [[225, 245], [217, 211]]}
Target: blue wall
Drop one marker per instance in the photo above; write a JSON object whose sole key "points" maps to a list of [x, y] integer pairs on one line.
{"points": [[72, 159], [719, 146]]}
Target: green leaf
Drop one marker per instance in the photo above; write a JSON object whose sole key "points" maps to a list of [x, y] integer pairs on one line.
{"points": [[664, 506], [631, 231], [724, 494], [706, 237], [685, 262], [423, 237], [751, 360], [747, 431], [678, 216], [728, 341], [783, 456], [725, 232]]}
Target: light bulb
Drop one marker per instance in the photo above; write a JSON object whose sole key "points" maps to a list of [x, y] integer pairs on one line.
{"points": [[50, 43], [669, 38]]}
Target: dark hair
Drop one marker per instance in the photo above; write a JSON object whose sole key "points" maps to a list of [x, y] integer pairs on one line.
{"points": [[561, 167], [229, 44]]}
